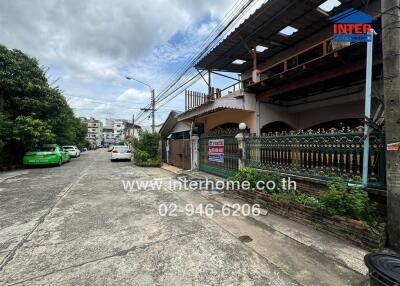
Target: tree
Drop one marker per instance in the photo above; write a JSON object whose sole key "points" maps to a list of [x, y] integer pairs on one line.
{"points": [[146, 147], [33, 112]]}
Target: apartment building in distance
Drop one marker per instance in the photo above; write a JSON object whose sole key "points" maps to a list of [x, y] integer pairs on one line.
{"points": [[118, 126], [130, 132], [95, 130], [112, 132]]}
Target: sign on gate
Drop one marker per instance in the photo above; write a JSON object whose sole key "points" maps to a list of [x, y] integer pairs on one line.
{"points": [[216, 150]]}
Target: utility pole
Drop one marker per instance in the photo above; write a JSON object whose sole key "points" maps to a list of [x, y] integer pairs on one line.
{"points": [[153, 110], [133, 125], [153, 101], [391, 74]]}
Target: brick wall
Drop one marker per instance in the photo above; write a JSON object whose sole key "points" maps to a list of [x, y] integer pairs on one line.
{"points": [[367, 237]]}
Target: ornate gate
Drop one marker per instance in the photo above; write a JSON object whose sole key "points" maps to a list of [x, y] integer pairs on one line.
{"points": [[219, 155]]}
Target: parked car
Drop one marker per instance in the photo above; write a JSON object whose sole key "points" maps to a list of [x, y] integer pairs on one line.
{"points": [[73, 151], [121, 152], [50, 154], [110, 148]]}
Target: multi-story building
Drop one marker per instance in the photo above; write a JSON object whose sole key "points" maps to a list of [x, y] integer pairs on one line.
{"points": [[108, 136], [130, 132], [118, 125], [95, 130]]}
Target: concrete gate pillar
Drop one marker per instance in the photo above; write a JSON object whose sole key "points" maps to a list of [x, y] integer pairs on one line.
{"points": [[167, 150], [194, 152], [242, 150]]}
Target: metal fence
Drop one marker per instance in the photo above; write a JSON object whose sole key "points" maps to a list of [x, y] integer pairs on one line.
{"points": [[318, 154], [228, 166]]}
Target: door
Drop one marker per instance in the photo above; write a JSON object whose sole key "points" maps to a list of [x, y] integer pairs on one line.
{"points": [[179, 153]]}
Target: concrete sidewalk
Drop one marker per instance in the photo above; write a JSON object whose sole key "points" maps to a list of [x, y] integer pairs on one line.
{"points": [[318, 244]]}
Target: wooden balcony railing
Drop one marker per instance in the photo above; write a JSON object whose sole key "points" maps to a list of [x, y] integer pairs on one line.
{"points": [[300, 59], [194, 99]]}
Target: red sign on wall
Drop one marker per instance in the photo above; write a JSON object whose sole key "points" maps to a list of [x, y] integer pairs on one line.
{"points": [[216, 149]]}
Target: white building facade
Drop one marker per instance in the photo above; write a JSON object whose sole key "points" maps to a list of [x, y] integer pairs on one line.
{"points": [[95, 130]]}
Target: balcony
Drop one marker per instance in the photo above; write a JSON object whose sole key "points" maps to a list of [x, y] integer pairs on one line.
{"points": [[232, 97], [194, 99], [325, 63]]}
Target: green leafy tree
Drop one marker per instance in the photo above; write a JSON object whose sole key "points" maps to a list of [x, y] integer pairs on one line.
{"points": [[31, 131], [32, 112], [146, 147]]}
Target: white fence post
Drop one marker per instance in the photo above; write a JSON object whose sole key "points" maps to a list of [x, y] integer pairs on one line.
{"points": [[242, 149], [195, 152]]}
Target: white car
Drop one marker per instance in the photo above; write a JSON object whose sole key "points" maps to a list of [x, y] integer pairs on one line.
{"points": [[73, 151], [120, 152]]}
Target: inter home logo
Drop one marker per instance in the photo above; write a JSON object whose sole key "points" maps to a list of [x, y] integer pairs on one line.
{"points": [[351, 26]]}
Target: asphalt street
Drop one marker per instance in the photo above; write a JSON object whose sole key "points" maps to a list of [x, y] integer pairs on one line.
{"points": [[76, 225]]}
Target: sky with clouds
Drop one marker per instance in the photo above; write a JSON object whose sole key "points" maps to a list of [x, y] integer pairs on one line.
{"points": [[90, 45]]}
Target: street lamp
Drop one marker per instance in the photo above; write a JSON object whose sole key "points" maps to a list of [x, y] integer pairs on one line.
{"points": [[145, 109]]}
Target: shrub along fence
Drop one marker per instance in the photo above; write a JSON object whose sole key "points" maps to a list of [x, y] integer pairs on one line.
{"points": [[370, 237], [344, 212]]}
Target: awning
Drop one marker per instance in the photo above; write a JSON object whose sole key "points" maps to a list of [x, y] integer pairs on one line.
{"points": [[263, 27]]}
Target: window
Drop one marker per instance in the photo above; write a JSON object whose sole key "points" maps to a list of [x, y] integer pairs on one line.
{"points": [[288, 31], [238, 62], [329, 5], [261, 49]]}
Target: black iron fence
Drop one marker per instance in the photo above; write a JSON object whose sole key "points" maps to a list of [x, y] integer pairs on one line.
{"points": [[319, 154]]}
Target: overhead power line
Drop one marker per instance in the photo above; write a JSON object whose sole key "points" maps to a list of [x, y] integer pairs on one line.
{"points": [[186, 75]]}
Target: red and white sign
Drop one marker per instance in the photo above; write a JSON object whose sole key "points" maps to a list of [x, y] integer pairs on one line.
{"points": [[216, 150], [393, 147]]}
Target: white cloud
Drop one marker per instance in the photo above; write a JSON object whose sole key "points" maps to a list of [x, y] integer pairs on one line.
{"points": [[106, 108], [90, 38], [91, 45], [81, 103], [134, 96]]}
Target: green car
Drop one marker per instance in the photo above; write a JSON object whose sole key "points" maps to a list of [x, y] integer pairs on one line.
{"points": [[51, 154]]}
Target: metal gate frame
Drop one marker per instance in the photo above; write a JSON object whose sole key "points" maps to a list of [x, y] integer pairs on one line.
{"points": [[231, 156]]}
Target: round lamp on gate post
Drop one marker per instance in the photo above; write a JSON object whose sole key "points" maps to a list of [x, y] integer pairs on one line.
{"points": [[242, 126]]}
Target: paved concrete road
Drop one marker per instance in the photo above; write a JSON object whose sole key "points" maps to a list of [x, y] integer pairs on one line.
{"points": [[75, 225]]}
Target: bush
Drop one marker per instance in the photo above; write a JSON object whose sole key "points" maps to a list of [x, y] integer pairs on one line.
{"points": [[141, 156], [339, 199], [299, 198], [146, 148], [304, 199], [253, 176], [353, 203], [247, 174]]}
